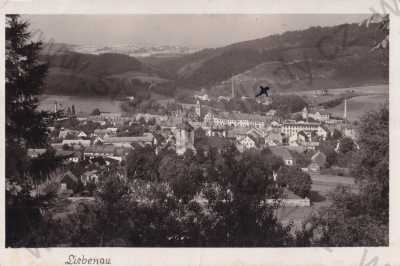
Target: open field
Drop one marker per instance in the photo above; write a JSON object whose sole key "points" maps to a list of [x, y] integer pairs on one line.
{"points": [[365, 90], [359, 105], [315, 97], [365, 99]]}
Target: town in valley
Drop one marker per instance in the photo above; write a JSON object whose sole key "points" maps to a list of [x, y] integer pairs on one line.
{"points": [[135, 155]]}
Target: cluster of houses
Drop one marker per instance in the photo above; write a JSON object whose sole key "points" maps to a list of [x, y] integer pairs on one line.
{"points": [[102, 142], [246, 131], [235, 119], [257, 134]]}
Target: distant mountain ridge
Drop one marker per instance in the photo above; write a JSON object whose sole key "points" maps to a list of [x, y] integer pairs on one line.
{"points": [[134, 50], [319, 57]]}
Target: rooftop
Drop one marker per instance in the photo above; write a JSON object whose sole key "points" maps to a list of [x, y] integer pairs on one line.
{"points": [[145, 138], [35, 152], [281, 152], [301, 123]]}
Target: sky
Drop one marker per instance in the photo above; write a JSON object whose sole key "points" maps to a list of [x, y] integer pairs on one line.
{"points": [[197, 31]]}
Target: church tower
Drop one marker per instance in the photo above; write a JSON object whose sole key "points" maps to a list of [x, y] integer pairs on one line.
{"points": [[198, 109], [184, 137], [305, 113], [233, 89]]}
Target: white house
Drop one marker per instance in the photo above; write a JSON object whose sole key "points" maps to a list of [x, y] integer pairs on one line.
{"points": [[202, 97], [248, 142], [235, 119], [34, 153], [83, 142], [82, 135], [322, 132]]}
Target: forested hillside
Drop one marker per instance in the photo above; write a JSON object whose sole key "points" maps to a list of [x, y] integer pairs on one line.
{"points": [[328, 57]]}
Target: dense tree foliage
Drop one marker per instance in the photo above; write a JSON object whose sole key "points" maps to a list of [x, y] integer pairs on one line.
{"points": [[302, 159], [26, 127], [328, 148], [142, 164], [296, 180], [372, 164], [96, 111], [360, 218], [287, 104]]}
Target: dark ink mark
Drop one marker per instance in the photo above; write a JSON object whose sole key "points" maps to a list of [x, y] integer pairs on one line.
{"points": [[264, 90]]}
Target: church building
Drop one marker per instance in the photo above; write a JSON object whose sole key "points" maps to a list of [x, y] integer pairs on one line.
{"points": [[184, 137]]}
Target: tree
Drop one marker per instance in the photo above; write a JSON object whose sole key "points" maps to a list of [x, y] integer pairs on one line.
{"points": [[200, 138], [73, 112], [328, 148], [347, 223], [288, 103], [295, 180], [142, 164], [346, 145], [302, 159], [142, 121], [70, 135], [25, 126], [96, 111], [245, 180], [336, 134], [361, 219], [151, 122], [372, 163], [183, 174], [42, 166]]}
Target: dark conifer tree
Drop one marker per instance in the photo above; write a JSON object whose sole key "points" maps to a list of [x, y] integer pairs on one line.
{"points": [[26, 127]]}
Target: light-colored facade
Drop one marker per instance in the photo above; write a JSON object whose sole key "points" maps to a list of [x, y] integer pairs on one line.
{"points": [[184, 136], [235, 120], [321, 116], [83, 142], [247, 142], [290, 129], [146, 139]]}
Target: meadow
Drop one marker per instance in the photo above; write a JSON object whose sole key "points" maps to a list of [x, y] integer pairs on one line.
{"points": [[359, 105]]}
